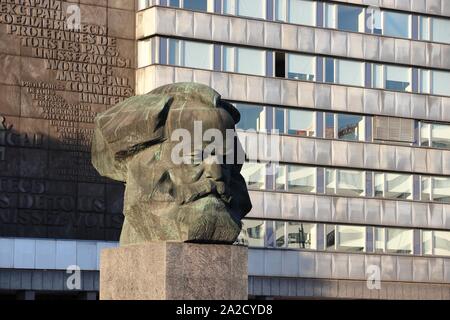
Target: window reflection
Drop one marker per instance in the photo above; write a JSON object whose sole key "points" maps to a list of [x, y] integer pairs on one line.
{"points": [[301, 67], [350, 127], [345, 182], [252, 117], [255, 175], [396, 24]]}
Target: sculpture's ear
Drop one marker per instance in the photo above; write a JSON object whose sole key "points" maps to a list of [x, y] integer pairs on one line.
{"points": [[231, 110], [125, 129]]}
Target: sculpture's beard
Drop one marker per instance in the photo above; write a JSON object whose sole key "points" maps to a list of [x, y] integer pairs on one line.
{"points": [[168, 191], [203, 209]]}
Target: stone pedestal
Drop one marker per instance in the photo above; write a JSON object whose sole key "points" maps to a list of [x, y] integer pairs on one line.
{"points": [[174, 271]]}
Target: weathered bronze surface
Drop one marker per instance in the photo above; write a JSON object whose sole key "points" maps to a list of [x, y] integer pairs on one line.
{"points": [[165, 200]]}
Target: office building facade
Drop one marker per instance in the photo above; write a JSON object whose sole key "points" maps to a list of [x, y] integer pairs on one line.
{"points": [[358, 203]]}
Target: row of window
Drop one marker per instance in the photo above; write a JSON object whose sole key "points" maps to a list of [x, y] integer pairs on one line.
{"points": [[342, 126], [343, 238], [344, 182], [306, 67], [329, 15]]}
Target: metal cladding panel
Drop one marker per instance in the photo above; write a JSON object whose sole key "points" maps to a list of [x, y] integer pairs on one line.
{"points": [[420, 270], [273, 262], [256, 262], [322, 41], [324, 208], [184, 75], [238, 30], [166, 22], [405, 268], [340, 266], [356, 267], [290, 206], [6, 253], [290, 264], [289, 36], [203, 26], [307, 262], [289, 93], [306, 39], [339, 43], [356, 210], [24, 253], [339, 98], [306, 208], [402, 51], [355, 45], [45, 254], [220, 27], [339, 153], [388, 268], [436, 267], [66, 253], [306, 150]]}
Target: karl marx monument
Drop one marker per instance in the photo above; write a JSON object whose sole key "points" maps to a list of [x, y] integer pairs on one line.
{"points": [[181, 217]]}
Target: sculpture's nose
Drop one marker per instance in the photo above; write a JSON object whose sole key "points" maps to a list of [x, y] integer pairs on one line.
{"points": [[215, 169]]}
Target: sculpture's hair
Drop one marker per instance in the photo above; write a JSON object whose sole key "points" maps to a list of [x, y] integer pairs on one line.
{"points": [[139, 122]]}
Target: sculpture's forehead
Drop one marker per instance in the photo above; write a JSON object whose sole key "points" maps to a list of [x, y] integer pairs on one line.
{"points": [[186, 116]]}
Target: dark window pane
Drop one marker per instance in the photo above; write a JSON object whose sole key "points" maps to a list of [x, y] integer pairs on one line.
{"points": [[348, 18], [252, 117], [329, 126], [279, 120], [201, 5], [329, 70]]}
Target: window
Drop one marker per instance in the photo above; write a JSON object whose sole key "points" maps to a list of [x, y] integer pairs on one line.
{"points": [[252, 117], [198, 5], [301, 179], [440, 30], [441, 189], [253, 233], [248, 8], [280, 234], [397, 78], [435, 189], [441, 243], [440, 83], [296, 11], [434, 135], [344, 17], [427, 242], [255, 175], [301, 67], [393, 186], [244, 60], [393, 129], [349, 72], [396, 24], [190, 54], [301, 235], [350, 18], [350, 127], [391, 240], [295, 178], [301, 123], [345, 182], [399, 240], [424, 28], [345, 238]]}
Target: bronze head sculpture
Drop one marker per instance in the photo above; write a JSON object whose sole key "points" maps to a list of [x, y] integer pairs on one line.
{"points": [[195, 201]]}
